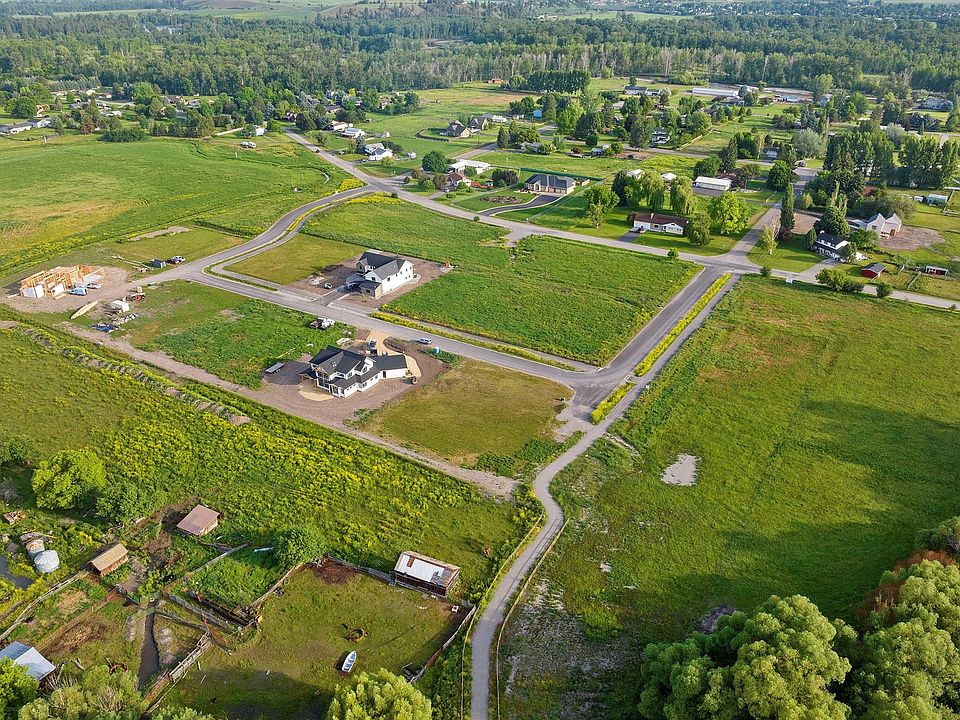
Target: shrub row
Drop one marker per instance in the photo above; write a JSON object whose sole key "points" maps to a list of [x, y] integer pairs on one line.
{"points": [[667, 341], [610, 402]]}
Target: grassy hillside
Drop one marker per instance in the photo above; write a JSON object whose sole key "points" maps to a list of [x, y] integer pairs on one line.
{"points": [[79, 191]]}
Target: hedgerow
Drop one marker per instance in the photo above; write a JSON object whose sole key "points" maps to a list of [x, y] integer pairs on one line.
{"points": [[610, 402], [661, 347]]}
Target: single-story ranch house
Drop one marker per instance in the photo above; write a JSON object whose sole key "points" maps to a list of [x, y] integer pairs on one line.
{"points": [[709, 183], [345, 372], [550, 184], [379, 274], [670, 224]]}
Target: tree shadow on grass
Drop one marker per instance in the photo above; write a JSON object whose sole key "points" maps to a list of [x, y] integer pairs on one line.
{"points": [[254, 695]]}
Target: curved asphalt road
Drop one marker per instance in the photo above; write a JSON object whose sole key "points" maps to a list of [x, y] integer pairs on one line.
{"points": [[589, 387]]}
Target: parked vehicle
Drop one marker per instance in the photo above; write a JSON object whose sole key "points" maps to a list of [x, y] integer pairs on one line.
{"points": [[424, 341], [328, 286], [177, 259], [94, 286]]}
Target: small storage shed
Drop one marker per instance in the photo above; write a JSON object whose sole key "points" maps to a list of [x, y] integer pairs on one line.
{"points": [[425, 573], [109, 560], [199, 521], [874, 270], [27, 657]]}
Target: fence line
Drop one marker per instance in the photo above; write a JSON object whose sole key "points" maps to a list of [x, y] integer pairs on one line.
{"points": [[29, 608]]}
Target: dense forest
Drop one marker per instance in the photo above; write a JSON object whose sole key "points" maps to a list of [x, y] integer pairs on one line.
{"points": [[445, 43]]}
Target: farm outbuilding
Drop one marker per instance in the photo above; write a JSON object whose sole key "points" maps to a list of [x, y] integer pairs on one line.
{"points": [[109, 560], [874, 270], [425, 573], [29, 658], [199, 521]]}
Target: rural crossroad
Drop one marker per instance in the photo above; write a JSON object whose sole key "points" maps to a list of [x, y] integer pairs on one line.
{"points": [[590, 386]]}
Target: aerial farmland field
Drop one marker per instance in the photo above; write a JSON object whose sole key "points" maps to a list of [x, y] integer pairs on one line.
{"points": [[559, 301], [819, 455], [80, 192]]}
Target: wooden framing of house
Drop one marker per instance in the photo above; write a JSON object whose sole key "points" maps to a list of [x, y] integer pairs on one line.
{"points": [[55, 281]]}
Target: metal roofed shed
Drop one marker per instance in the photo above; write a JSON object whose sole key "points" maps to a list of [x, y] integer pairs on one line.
{"points": [[421, 572], [199, 521], [109, 560], [36, 665]]}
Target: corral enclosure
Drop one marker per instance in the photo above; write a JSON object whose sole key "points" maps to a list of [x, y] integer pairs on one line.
{"points": [[290, 665]]}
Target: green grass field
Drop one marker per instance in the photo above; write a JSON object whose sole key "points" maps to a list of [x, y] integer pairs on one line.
{"points": [[289, 668], [225, 334], [824, 427], [262, 469], [298, 258], [821, 453], [512, 416], [80, 192], [792, 256], [544, 294], [587, 166]]}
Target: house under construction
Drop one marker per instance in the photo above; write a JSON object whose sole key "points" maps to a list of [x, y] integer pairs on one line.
{"points": [[56, 282]]}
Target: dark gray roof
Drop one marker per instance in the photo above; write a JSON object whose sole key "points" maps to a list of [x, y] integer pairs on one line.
{"points": [[385, 265], [390, 362], [333, 360], [828, 241], [551, 181], [877, 267]]}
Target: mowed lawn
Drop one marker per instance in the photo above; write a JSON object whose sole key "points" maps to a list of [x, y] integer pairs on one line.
{"points": [[507, 411], [570, 299], [826, 428], [74, 192], [289, 669]]}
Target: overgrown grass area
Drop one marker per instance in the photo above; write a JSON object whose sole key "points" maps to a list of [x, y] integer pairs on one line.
{"points": [[225, 334], [296, 259], [511, 417], [79, 192], [595, 167], [289, 668], [566, 298], [820, 453], [265, 471]]}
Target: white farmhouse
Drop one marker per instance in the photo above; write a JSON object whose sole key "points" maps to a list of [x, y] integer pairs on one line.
{"points": [[345, 372], [379, 274]]}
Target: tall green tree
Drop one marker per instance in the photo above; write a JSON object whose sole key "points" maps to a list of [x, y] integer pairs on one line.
{"points": [[380, 695], [681, 195], [17, 689], [788, 220], [728, 156], [64, 479], [599, 200], [729, 213]]}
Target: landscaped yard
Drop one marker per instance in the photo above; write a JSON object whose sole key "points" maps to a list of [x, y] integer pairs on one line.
{"points": [[290, 667], [820, 450], [544, 293], [509, 427], [80, 192]]}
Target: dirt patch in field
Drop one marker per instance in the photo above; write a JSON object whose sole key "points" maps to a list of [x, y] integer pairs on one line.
{"points": [[113, 281], [912, 238], [803, 222], [332, 573], [91, 629], [68, 602], [682, 472], [172, 230]]}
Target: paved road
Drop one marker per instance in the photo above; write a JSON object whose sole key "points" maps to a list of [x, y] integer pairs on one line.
{"points": [[487, 625], [590, 387]]}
